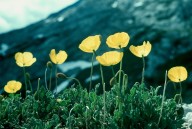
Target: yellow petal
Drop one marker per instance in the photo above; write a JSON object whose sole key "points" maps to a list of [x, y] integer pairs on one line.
{"points": [[90, 44], [118, 59], [52, 56], [24, 59], [19, 64], [58, 58], [135, 51], [18, 85], [110, 58], [19, 59], [27, 56], [141, 50], [61, 57], [118, 40], [102, 61], [12, 86], [147, 48], [19, 56], [33, 60], [177, 74], [8, 90]]}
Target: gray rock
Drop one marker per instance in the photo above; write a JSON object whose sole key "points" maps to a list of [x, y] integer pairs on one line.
{"points": [[187, 116]]}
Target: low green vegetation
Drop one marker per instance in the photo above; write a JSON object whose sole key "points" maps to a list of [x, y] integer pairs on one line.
{"points": [[135, 108]]}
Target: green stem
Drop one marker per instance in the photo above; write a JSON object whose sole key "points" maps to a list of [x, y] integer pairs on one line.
{"points": [[120, 69], [113, 72], [38, 87], [91, 74], [103, 83], [30, 86], [50, 79], [125, 80], [162, 103], [120, 87], [86, 117], [55, 78], [37, 91], [143, 72], [46, 78], [70, 126], [125, 83], [25, 80], [180, 93], [120, 76]]}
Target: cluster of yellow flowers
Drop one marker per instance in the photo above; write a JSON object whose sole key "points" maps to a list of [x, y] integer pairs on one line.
{"points": [[121, 40], [91, 45], [26, 59], [117, 41]]}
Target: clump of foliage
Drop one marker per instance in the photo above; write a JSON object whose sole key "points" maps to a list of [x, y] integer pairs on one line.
{"points": [[137, 108]]}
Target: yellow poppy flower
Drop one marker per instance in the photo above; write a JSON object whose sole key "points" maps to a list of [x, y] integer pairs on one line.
{"points": [[90, 44], [12, 86], [110, 58], [118, 40], [24, 59], [58, 58], [142, 50], [177, 74]]}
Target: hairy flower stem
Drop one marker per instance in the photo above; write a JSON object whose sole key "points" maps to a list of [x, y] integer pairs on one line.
{"points": [[120, 86], [70, 126], [120, 74], [91, 74], [125, 82], [30, 85], [25, 80], [38, 87], [87, 117], [50, 79], [46, 78], [55, 78], [37, 91], [181, 101], [103, 83], [143, 72], [113, 72], [162, 103]]}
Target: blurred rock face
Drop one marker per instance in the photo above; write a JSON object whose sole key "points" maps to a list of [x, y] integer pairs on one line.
{"points": [[166, 24]]}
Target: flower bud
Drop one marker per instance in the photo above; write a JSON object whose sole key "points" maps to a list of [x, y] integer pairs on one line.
{"points": [[58, 100], [61, 75], [49, 65], [113, 81], [27, 76]]}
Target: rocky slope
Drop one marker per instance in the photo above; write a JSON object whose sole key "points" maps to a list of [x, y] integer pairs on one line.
{"points": [[166, 24]]}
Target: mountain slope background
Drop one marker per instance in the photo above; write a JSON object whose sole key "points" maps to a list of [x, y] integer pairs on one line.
{"points": [[166, 24]]}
